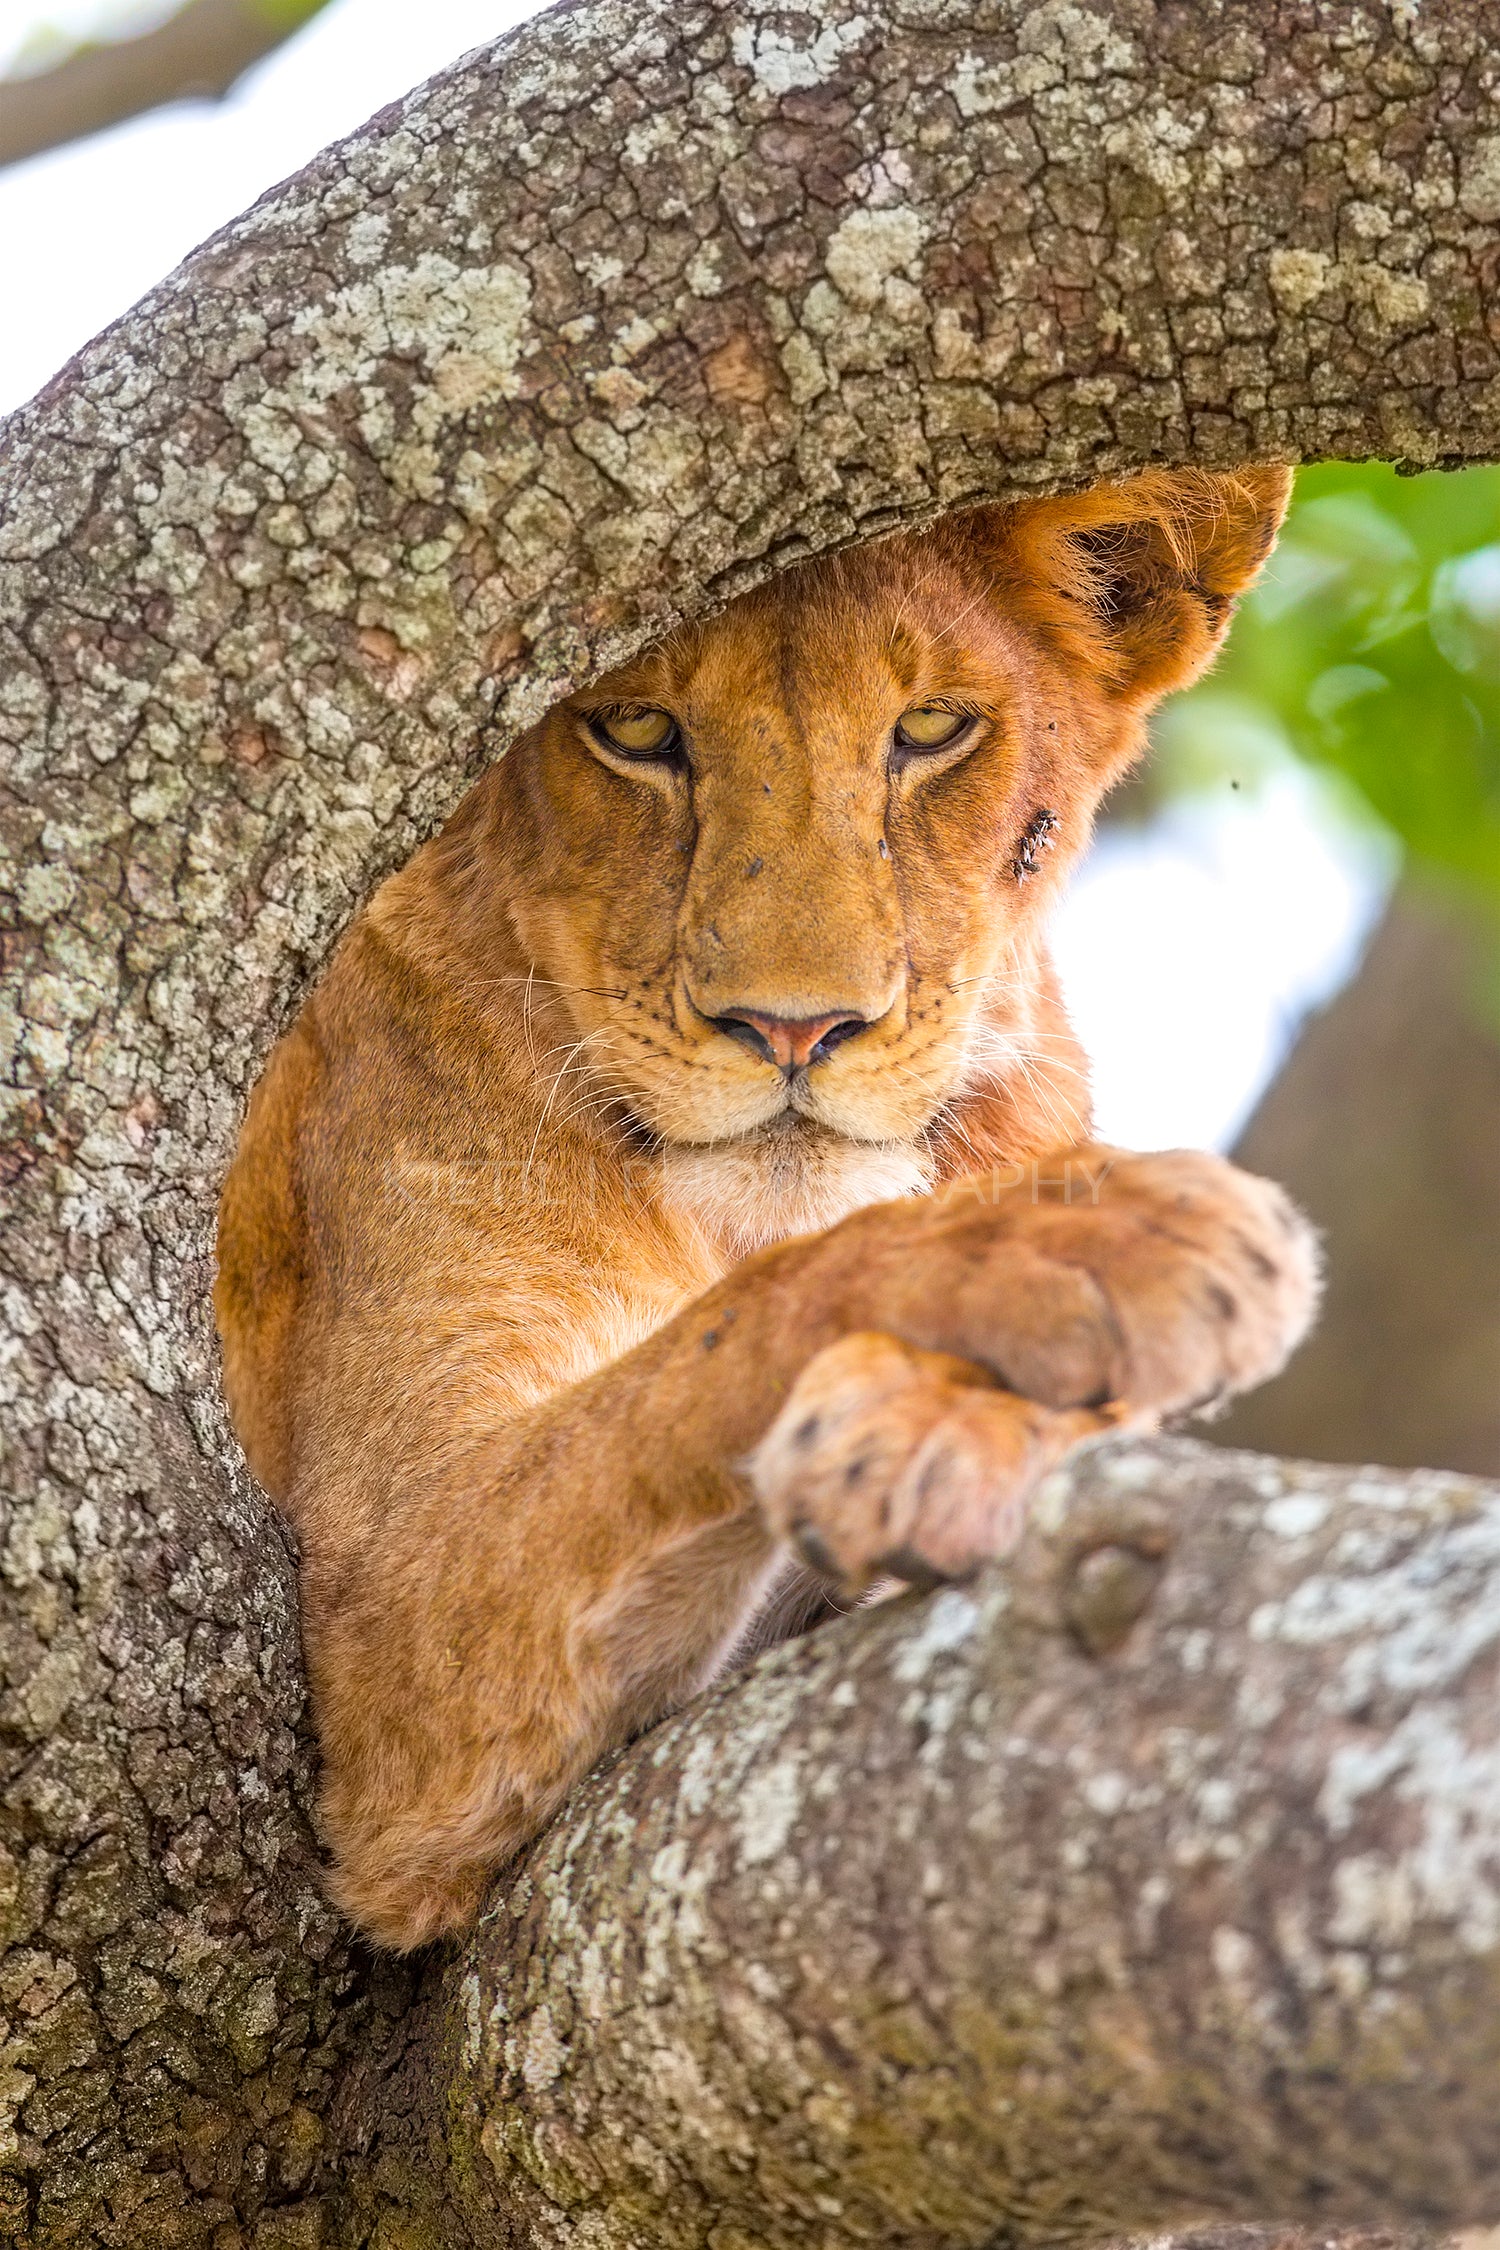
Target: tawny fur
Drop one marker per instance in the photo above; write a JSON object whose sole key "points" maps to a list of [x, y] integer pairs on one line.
{"points": [[556, 1318]]}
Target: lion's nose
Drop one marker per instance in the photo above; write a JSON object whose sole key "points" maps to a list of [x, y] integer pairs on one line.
{"points": [[790, 1042]]}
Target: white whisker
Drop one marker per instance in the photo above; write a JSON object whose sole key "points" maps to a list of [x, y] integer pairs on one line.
{"points": [[573, 1051]]}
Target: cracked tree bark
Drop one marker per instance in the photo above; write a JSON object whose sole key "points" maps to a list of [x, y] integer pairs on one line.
{"points": [[603, 325]]}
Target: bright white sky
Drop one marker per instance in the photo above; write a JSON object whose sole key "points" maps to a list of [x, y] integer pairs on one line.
{"points": [[33, 37], [1189, 954]]}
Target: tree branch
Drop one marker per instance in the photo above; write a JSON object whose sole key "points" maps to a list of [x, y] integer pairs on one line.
{"points": [[991, 1916], [599, 327], [1404, 1365], [200, 51]]}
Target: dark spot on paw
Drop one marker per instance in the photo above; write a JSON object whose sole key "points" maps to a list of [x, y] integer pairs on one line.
{"points": [[1256, 1258], [810, 1546], [854, 1470], [1225, 1305], [806, 1431]]}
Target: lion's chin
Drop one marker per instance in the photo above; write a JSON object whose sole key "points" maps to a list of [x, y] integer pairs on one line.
{"points": [[790, 1176]]}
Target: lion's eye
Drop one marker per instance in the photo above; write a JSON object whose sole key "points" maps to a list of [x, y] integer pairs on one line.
{"points": [[930, 726], [640, 734]]}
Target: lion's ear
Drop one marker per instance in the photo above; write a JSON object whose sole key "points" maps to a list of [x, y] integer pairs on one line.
{"points": [[1137, 581]]}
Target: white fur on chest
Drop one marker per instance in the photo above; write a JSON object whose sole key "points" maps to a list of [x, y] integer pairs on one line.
{"points": [[744, 1194]]}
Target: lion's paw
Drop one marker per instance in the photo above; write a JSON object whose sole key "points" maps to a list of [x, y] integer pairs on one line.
{"points": [[890, 1461], [1165, 1282]]}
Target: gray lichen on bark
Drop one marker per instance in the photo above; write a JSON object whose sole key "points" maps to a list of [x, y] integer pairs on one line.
{"points": [[940, 1930], [604, 324]]}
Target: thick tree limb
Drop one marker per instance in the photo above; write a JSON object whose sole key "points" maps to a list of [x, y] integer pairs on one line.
{"points": [[988, 1917], [1405, 1362], [596, 329]]}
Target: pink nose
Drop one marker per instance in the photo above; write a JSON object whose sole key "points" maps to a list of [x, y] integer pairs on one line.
{"points": [[790, 1042]]}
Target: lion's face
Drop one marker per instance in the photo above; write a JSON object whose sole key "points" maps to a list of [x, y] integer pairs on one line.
{"points": [[795, 850], [788, 868]]}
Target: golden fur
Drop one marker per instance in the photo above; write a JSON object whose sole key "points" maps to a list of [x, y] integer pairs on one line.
{"points": [[641, 1209]]}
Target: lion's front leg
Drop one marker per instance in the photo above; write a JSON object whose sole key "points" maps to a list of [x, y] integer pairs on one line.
{"points": [[884, 1397], [518, 1621]]}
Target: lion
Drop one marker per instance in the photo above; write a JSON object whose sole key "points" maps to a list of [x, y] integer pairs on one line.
{"points": [[674, 1214]]}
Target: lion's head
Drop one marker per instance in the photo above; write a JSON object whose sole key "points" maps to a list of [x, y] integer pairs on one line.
{"points": [[788, 869]]}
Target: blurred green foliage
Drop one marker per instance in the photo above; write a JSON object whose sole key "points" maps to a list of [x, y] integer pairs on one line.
{"points": [[287, 15], [1371, 647]]}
